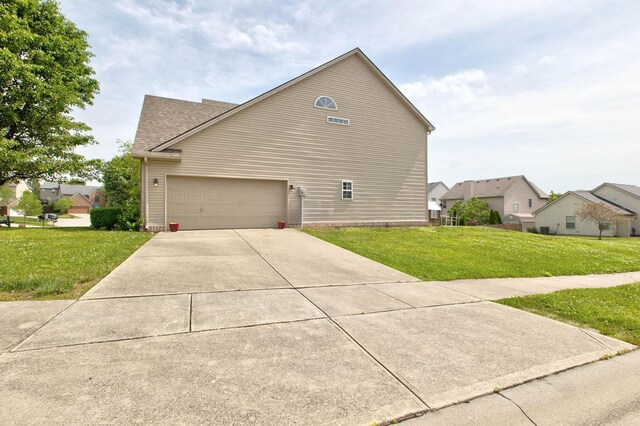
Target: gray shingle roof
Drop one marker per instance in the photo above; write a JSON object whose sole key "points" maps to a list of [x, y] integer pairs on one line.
{"points": [[70, 190], [162, 119], [494, 187], [633, 189], [434, 184], [595, 199], [48, 185]]}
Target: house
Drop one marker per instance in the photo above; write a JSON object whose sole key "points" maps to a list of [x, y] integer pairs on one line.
{"points": [[7, 206], [559, 217], [435, 191], [337, 145], [85, 197], [515, 198]]}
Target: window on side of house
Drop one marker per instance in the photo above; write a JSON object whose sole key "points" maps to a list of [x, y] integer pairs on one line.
{"points": [[97, 199], [530, 203], [347, 190], [434, 214], [325, 102], [516, 207], [443, 204], [433, 199], [571, 222]]}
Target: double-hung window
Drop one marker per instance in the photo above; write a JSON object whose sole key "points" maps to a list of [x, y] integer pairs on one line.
{"points": [[571, 222], [347, 190]]}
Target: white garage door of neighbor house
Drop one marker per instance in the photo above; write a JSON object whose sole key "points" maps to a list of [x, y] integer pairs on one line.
{"points": [[219, 203]]}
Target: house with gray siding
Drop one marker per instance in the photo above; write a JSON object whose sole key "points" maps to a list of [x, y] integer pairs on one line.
{"points": [[435, 192], [339, 144]]}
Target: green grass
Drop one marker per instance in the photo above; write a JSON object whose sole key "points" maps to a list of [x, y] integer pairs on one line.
{"points": [[613, 311], [448, 253], [16, 220], [60, 263]]}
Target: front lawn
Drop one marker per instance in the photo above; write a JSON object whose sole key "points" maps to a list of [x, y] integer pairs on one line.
{"points": [[16, 220], [60, 263], [613, 311], [450, 253]]}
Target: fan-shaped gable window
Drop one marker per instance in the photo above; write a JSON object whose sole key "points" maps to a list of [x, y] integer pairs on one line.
{"points": [[325, 102]]}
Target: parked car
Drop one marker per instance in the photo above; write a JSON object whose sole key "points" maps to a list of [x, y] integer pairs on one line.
{"points": [[48, 216]]}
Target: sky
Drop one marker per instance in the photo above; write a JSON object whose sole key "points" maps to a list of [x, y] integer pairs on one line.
{"points": [[549, 89]]}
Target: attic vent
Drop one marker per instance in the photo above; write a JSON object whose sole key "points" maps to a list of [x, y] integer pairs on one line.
{"points": [[336, 120]]}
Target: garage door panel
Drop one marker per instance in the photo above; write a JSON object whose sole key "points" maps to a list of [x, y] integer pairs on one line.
{"points": [[217, 203]]}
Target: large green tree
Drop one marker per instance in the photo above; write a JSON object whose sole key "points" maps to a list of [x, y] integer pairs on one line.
{"points": [[470, 210], [44, 74], [121, 178], [29, 204]]}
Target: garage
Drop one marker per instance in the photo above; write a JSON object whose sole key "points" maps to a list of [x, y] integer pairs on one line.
{"points": [[222, 203], [79, 209]]}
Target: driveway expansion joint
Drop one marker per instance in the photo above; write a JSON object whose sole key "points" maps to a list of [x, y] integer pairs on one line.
{"points": [[13, 349]]}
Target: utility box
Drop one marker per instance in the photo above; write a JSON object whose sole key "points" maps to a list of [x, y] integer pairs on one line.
{"points": [[302, 191], [544, 230]]}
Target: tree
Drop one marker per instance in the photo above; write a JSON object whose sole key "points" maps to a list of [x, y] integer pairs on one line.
{"points": [[44, 74], [471, 210], [29, 204], [121, 178], [600, 215], [76, 181], [553, 196], [63, 204]]}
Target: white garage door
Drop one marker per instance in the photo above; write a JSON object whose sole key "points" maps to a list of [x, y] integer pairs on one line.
{"points": [[217, 203]]}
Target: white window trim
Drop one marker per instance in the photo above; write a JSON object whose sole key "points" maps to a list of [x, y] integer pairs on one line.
{"points": [[342, 190], [433, 214], [321, 107], [329, 117], [566, 222], [516, 207]]}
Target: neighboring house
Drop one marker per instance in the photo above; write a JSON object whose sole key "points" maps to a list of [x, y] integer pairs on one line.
{"points": [[559, 217], [85, 197], [435, 191], [515, 198], [48, 192], [342, 133], [7, 207]]}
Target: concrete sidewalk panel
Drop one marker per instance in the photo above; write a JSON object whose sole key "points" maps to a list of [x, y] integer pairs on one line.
{"points": [[486, 289], [448, 354], [297, 373], [18, 320], [308, 261], [351, 300], [424, 294], [243, 308], [90, 321], [601, 393], [139, 276], [489, 410]]}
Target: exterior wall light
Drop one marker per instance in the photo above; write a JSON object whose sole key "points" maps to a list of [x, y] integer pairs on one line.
{"points": [[155, 182]]}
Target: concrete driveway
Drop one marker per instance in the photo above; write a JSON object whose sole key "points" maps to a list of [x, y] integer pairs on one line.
{"points": [[82, 220], [272, 327]]}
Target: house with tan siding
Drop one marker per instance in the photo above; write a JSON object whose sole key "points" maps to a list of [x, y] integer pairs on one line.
{"points": [[339, 144], [515, 198], [559, 217]]}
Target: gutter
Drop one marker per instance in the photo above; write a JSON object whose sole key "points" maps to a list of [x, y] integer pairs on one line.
{"points": [[145, 189]]}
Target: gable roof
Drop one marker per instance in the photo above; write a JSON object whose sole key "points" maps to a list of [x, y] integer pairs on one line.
{"points": [[488, 188], [153, 127], [81, 197], [69, 190], [432, 185], [162, 119], [592, 198], [631, 189]]}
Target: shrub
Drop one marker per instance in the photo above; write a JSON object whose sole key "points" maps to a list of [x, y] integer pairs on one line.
{"points": [[532, 230], [105, 218], [63, 204], [129, 219]]}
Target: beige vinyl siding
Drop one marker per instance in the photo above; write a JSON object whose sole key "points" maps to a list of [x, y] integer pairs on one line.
{"points": [[383, 150], [520, 193], [555, 216], [623, 199]]}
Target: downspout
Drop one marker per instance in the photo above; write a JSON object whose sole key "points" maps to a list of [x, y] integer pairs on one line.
{"points": [[426, 168], [145, 188]]}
